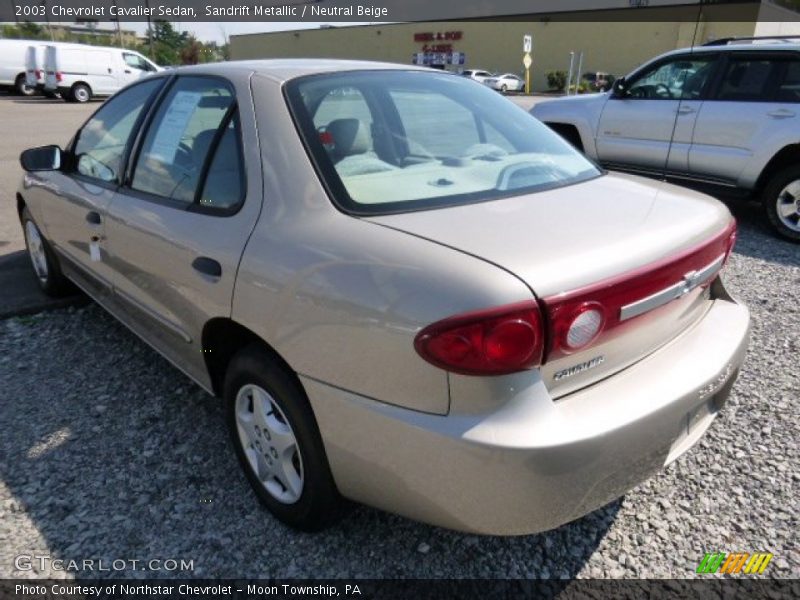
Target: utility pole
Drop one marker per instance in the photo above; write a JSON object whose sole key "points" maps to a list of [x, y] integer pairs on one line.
{"points": [[149, 31]]}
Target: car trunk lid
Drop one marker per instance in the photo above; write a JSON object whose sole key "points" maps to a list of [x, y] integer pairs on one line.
{"points": [[643, 248]]}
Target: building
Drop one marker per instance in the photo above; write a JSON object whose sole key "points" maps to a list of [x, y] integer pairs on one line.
{"points": [[613, 41]]}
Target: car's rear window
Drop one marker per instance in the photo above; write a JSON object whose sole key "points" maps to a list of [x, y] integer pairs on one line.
{"points": [[396, 141]]}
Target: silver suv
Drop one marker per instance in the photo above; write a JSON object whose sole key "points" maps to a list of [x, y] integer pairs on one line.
{"points": [[722, 117]]}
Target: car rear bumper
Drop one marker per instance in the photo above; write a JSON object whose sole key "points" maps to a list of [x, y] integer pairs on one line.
{"points": [[534, 464]]}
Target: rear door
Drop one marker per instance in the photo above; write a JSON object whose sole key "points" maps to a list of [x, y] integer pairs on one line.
{"points": [[51, 67], [179, 225], [31, 78], [755, 100], [650, 128]]}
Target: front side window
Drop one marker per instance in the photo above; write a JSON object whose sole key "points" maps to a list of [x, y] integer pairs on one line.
{"points": [[389, 141], [100, 145], [136, 61], [682, 78], [180, 138]]}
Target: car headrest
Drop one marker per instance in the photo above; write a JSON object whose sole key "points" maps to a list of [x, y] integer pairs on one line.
{"points": [[349, 137]]}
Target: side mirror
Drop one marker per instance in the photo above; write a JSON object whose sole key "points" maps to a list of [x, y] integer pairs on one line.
{"points": [[44, 158], [620, 88]]}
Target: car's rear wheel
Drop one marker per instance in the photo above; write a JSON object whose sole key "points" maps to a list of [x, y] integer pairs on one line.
{"points": [[21, 87], [43, 260], [277, 441], [80, 92], [781, 200]]}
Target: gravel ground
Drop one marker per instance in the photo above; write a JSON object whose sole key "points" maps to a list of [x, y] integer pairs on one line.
{"points": [[107, 452]]}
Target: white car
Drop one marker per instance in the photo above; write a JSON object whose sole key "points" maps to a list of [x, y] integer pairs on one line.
{"points": [[477, 75], [723, 117], [81, 73], [506, 83]]}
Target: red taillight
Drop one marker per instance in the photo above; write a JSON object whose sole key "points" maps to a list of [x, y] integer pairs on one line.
{"points": [[38, 74], [59, 76], [488, 342]]}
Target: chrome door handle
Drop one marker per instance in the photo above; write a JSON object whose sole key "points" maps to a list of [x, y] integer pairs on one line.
{"points": [[781, 113]]}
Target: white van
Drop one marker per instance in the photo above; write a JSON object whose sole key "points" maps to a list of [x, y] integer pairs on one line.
{"points": [[12, 65], [82, 73]]}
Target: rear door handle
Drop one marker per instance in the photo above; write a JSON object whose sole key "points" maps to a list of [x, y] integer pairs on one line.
{"points": [[93, 217], [207, 266], [781, 113], [128, 71], [685, 110]]}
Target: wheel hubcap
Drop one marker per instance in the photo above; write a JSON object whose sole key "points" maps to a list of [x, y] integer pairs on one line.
{"points": [[788, 205], [269, 444], [36, 250]]}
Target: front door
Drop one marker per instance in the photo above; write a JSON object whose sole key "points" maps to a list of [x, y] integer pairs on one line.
{"points": [[178, 228], [76, 199], [650, 127]]}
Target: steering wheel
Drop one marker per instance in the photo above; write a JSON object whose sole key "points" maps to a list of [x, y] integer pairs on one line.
{"points": [[662, 90]]}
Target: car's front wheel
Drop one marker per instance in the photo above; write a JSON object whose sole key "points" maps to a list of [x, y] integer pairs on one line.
{"points": [[43, 260], [781, 200], [277, 441]]}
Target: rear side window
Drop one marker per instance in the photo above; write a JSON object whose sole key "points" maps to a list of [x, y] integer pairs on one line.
{"points": [[191, 122], [101, 143], [224, 185], [747, 80], [789, 90]]}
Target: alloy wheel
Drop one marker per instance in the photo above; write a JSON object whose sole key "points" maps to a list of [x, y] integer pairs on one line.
{"points": [[36, 251], [269, 444], [788, 205]]}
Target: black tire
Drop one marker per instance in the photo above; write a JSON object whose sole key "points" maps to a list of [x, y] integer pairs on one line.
{"points": [[319, 503], [81, 93], [53, 283], [504, 88], [21, 88], [772, 198]]}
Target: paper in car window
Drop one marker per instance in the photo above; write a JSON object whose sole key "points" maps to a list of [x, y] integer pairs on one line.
{"points": [[173, 125]]}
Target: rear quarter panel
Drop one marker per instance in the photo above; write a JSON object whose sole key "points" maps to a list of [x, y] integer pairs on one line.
{"points": [[341, 299]]}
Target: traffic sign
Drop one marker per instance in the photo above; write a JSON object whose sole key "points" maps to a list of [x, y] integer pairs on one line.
{"points": [[527, 43], [527, 61]]}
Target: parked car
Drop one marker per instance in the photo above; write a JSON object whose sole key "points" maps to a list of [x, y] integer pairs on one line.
{"points": [[80, 73], [507, 82], [599, 80], [476, 74], [724, 118], [412, 294]]}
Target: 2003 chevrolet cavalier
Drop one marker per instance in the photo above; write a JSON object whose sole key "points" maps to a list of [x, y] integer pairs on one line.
{"points": [[408, 291]]}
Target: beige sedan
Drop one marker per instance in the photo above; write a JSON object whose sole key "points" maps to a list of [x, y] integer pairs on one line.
{"points": [[407, 291]]}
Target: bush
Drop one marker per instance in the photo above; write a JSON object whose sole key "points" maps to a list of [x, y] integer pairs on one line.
{"points": [[557, 80]]}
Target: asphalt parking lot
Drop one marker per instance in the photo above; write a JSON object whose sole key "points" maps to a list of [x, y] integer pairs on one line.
{"points": [[108, 452]]}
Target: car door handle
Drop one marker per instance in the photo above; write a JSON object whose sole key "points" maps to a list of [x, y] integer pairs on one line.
{"points": [[93, 217], [128, 71], [685, 110], [781, 113], [207, 266]]}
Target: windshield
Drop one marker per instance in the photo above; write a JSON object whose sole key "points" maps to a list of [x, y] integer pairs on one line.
{"points": [[397, 141]]}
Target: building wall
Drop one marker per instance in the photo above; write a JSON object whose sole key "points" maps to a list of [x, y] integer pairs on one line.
{"points": [[611, 46]]}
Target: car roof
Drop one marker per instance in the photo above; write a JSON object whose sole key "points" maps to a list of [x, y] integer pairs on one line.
{"points": [[287, 69], [739, 46]]}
